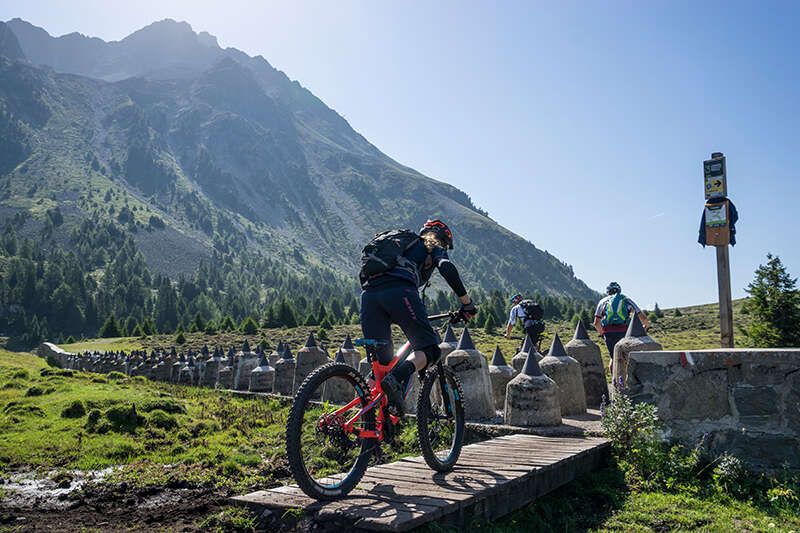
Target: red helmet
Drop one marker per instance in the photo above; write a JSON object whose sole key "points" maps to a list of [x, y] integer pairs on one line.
{"points": [[441, 230]]}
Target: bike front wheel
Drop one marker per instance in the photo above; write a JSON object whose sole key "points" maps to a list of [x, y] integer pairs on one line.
{"points": [[328, 459], [440, 418]]}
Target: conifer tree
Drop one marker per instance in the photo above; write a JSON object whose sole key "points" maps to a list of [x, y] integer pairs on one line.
{"points": [[249, 326], [774, 305], [110, 328]]}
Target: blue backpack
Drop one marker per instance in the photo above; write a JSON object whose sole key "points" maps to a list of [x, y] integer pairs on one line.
{"points": [[617, 313]]}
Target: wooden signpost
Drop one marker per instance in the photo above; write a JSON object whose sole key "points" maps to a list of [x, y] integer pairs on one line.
{"points": [[718, 234]]}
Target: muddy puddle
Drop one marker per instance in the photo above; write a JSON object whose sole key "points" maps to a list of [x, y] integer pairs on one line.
{"points": [[49, 491]]}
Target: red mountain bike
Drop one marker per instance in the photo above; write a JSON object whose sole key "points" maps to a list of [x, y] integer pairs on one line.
{"points": [[337, 422]]}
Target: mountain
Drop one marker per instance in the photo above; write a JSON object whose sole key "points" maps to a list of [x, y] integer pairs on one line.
{"points": [[194, 149]]}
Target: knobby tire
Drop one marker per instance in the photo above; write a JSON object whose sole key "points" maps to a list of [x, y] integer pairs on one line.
{"points": [[294, 432], [425, 415]]}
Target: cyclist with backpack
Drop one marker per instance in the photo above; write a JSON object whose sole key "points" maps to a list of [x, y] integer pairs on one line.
{"points": [[613, 314], [531, 315], [394, 264]]}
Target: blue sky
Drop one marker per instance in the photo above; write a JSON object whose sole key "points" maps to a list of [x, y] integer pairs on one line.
{"points": [[581, 126]]}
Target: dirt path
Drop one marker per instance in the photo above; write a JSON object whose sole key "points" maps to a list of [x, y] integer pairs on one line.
{"points": [[115, 508]]}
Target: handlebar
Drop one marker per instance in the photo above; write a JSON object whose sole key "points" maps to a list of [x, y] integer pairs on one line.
{"points": [[453, 316]]}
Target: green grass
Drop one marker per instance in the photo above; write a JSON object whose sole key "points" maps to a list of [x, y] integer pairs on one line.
{"points": [[602, 501], [78, 420], [105, 345]]}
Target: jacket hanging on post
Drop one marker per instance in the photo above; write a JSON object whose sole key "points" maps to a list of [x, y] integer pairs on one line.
{"points": [[732, 214]]}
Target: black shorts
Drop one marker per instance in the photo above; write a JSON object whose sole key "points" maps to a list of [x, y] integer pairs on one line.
{"points": [[401, 305]]}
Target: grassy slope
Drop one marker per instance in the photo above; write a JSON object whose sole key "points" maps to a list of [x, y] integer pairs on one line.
{"points": [[696, 328], [237, 444]]}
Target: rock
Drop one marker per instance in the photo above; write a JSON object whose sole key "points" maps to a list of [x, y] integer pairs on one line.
{"points": [[500, 374], [566, 373], [472, 370], [532, 398], [587, 353]]}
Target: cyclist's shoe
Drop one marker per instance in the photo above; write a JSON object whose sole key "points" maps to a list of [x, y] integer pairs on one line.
{"points": [[394, 393]]}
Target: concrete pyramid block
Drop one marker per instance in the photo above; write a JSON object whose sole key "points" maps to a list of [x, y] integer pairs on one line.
{"points": [[338, 390], [499, 374], [262, 377], [449, 342], [350, 353], [225, 375], [518, 361], [284, 372], [247, 362], [532, 398], [473, 371], [587, 353], [566, 372], [309, 357], [636, 340], [275, 355]]}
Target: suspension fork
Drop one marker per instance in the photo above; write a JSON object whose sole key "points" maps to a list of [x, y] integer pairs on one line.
{"points": [[448, 408]]}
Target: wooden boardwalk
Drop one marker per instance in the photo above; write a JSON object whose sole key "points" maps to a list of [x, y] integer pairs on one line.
{"points": [[491, 479]]}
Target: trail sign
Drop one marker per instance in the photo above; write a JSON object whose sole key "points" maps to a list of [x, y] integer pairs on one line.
{"points": [[716, 183], [716, 219]]}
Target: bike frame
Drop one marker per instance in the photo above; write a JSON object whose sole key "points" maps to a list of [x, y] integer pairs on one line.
{"points": [[377, 396]]}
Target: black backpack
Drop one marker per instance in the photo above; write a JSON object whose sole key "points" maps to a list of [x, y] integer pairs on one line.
{"points": [[385, 251], [533, 311]]}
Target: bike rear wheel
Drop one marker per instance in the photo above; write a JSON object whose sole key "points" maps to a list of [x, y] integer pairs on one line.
{"points": [[440, 418], [326, 461]]}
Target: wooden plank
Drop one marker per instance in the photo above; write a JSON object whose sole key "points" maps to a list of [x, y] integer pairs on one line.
{"points": [[491, 479]]}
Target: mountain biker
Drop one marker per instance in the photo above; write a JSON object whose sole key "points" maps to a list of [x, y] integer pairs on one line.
{"points": [[392, 297], [530, 313], [613, 315]]}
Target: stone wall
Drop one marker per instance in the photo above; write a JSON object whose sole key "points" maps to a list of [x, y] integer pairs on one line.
{"points": [[745, 402]]}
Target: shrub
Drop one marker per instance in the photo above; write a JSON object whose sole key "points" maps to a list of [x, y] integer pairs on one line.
{"points": [[19, 374], [38, 391], [57, 372], [122, 418], [629, 425], [74, 409], [70, 340], [784, 498], [634, 433], [161, 419], [93, 419], [180, 338], [167, 405], [731, 475], [20, 409], [116, 376], [677, 312], [232, 519]]}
